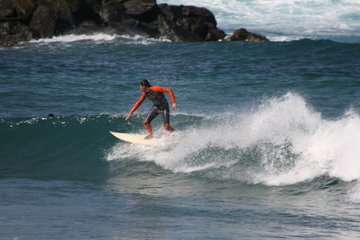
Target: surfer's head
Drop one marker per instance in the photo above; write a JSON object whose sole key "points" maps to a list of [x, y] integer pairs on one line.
{"points": [[144, 83]]}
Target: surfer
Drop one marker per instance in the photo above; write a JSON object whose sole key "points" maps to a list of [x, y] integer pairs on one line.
{"points": [[161, 105]]}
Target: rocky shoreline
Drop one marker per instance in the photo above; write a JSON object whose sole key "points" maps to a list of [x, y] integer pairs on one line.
{"points": [[24, 20]]}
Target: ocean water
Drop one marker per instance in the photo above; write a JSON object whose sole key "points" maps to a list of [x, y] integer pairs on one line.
{"points": [[266, 143]]}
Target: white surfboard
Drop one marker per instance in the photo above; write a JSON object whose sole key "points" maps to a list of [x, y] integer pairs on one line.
{"points": [[134, 138]]}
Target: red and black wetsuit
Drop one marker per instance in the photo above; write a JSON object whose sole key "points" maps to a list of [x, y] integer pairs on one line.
{"points": [[160, 104]]}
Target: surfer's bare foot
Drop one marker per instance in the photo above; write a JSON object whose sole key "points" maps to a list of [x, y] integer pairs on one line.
{"points": [[149, 136]]}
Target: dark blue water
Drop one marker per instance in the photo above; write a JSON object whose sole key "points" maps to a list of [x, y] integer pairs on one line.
{"points": [[267, 140]]}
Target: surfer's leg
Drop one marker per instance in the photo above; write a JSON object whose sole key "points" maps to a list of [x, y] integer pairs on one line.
{"points": [[149, 129], [168, 127], [151, 115], [166, 119]]}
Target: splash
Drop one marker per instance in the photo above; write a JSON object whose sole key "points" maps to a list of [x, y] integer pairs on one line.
{"points": [[353, 194], [281, 142], [98, 38]]}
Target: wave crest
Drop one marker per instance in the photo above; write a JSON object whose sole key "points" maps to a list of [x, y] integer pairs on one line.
{"points": [[284, 141]]}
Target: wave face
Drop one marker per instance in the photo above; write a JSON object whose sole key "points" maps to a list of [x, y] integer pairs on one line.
{"points": [[282, 142], [336, 20], [54, 147]]}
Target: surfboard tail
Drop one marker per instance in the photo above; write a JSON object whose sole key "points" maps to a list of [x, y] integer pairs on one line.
{"points": [[134, 138]]}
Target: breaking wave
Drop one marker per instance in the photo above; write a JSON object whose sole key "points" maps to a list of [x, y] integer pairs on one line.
{"points": [[282, 142]]}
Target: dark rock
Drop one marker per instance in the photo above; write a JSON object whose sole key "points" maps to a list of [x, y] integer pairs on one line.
{"points": [[25, 8], [7, 9], [84, 10], [22, 20], [62, 26], [64, 19], [166, 27], [186, 36], [88, 24], [12, 33], [215, 34], [112, 11], [132, 17], [149, 16], [63, 10], [169, 29], [16, 10], [120, 10], [52, 17], [12, 28], [138, 7], [188, 23], [74, 5], [86, 27], [202, 13], [43, 22], [130, 27], [243, 35], [149, 30]]}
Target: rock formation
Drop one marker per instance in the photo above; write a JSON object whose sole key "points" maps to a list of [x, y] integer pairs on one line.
{"points": [[23, 20], [243, 35]]}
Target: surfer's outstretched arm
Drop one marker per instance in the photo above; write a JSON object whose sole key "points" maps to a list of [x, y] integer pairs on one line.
{"points": [[136, 105]]}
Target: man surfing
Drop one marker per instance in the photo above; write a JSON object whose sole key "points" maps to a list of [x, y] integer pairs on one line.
{"points": [[160, 105]]}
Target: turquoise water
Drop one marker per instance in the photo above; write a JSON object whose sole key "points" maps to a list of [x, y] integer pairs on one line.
{"points": [[267, 140]]}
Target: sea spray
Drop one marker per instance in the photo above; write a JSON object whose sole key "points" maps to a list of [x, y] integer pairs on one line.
{"points": [[97, 38], [283, 141], [353, 192]]}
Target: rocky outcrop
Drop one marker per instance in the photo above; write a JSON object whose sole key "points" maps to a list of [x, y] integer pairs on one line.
{"points": [[23, 20], [12, 33], [188, 23], [24, 8], [14, 19], [7, 9], [42, 24], [243, 35], [120, 10]]}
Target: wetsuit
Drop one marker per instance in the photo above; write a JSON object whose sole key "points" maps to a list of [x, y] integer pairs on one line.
{"points": [[160, 104]]}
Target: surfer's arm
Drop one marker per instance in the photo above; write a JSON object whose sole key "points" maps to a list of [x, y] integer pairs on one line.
{"points": [[136, 105], [168, 91]]}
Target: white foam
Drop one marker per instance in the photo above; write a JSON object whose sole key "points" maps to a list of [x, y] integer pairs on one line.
{"points": [[291, 143], [353, 194], [284, 38], [322, 146], [99, 38], [140, 40]]}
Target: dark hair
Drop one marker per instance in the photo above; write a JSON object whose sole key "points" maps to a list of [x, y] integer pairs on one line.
{"points": [[145, 83]]}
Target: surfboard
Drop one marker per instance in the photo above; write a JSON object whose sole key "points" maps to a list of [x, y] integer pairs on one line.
{"points": [[134, 138]]}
